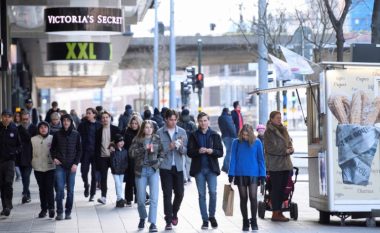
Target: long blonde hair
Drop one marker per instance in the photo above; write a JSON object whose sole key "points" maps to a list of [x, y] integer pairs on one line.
{"points": [[251, 135]]}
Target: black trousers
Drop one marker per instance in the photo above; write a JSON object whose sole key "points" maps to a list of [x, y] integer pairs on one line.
{"points": [[7, 172], [45, 181], [172, 180], [129, 178], [104, 165], [88, 161], [278, 179]]}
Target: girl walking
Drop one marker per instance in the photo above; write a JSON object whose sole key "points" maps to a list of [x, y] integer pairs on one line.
{"points": [[247, 168], [146, 149]]}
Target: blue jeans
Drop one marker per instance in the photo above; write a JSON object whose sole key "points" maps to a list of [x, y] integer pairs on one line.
{"points": [[119, 186], [25, 178], [226, 163], [209, 177], [63, 175], [148, 177]]}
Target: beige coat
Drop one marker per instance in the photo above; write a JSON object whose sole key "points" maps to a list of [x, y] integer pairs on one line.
{"points": [[42, 160], [275, 145]]}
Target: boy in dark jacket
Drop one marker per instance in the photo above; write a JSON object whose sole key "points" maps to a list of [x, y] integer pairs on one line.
{"points": [[66, 150], [119, 164], [227, 128]]}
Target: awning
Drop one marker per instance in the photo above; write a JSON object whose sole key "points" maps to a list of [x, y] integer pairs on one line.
{"points": [[276, 89], [71, 82]]}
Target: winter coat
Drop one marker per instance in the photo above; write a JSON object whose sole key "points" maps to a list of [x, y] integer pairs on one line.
{"points": [[98, 141], [83, 130], [247, 160], [227, 126], [119, 161], [129, 135], [25, 157], [179, 133], [54, 128], [137, 152], [66, 147], [193, 152], [235, 118], [124, 119], [10, 143], [276, 144], [159, 120], [42, 160], [188, 125]]}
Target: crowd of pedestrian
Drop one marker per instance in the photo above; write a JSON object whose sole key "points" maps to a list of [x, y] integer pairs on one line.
{"points": [[144, 149]]}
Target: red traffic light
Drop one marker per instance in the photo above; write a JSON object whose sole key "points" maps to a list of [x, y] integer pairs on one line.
{"points": [[200, 77]]}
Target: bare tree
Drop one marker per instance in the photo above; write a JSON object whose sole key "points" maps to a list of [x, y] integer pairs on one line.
{"points": [[337, 22], [375, 25], [320, 30]]}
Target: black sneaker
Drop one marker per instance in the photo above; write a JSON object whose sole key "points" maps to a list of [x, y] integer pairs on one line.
{"points": [[128, 204], [86, 190], [6, 212], [141, 224], [175, 221], [168, 227], [67, 216], [152, 228], [42, 214], [25, 199], [147, 202], [204, 225], [51, 213], [254, 224], [59, 217], [91, 198], [214, 223]]}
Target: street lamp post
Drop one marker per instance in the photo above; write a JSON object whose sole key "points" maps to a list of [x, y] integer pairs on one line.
{"points": [[172, 96]]}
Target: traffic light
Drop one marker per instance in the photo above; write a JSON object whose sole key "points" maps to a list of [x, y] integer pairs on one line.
{"points": [[199, 81], [190, 76]]}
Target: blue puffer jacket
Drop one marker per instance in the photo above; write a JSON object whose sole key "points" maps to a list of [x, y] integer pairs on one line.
{"points": [[226, 125], [119, 161], [247, 160]]}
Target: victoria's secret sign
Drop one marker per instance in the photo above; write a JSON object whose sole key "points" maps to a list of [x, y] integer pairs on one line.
{"points": [[83, 19]]}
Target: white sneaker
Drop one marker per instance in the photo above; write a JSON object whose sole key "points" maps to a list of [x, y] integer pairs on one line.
{"points": [[102, 200]]}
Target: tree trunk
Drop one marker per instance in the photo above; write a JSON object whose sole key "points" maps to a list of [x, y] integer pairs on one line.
{"points": [[339, 44], [375, 25]]}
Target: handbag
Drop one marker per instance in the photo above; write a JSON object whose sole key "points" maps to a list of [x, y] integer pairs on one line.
{"points": [[228, 200]]}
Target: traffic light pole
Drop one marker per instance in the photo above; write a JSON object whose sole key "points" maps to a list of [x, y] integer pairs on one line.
{"points": [[172, 94], [199, 72]]}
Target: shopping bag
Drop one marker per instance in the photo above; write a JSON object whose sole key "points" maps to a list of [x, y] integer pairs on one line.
{"points": [[228, 200]]}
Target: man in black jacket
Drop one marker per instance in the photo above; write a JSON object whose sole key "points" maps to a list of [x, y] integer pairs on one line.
{"points": [[10, 146], [205, 147], [87, 130], [27, 130], [237, 117], [66, 150], [227, 128], [125, 117], [104, 136]]}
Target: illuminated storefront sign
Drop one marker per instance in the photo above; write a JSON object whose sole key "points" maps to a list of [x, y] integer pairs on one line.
{"points": [[83, 20], [77, 51]]}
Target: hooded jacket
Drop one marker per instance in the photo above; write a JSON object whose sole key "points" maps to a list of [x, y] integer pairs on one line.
{"points": [[42, 160], [66, 145], [119, 161], [10, 144], [25, 157], [226, 125], [124, 118]]}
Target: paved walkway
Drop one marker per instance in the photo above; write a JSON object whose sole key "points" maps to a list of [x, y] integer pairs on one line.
{"points": [[92, 217]]}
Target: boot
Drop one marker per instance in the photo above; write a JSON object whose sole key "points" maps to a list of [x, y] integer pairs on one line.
{"points": [[254, 224], [287, 219], [277, 217], [245, 225]]}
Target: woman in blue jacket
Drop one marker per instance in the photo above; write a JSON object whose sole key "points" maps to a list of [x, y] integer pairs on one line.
{"points": [[247, 167]]}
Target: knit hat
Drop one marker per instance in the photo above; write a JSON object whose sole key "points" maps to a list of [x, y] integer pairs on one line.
{"points": [[156, 111], [260, 127], [128, 107], [28, 101], [118, 138], [6, 112]]}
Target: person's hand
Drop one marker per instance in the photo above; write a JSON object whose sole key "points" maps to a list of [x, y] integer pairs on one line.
{"points": [[112, 149], [230, 179], [209, 151], [202, 150], [74, 168], [172, 146], [289, 151], [57, 162]]}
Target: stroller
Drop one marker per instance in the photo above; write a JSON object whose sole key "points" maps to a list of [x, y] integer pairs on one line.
{"points": [[287, 204]]}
